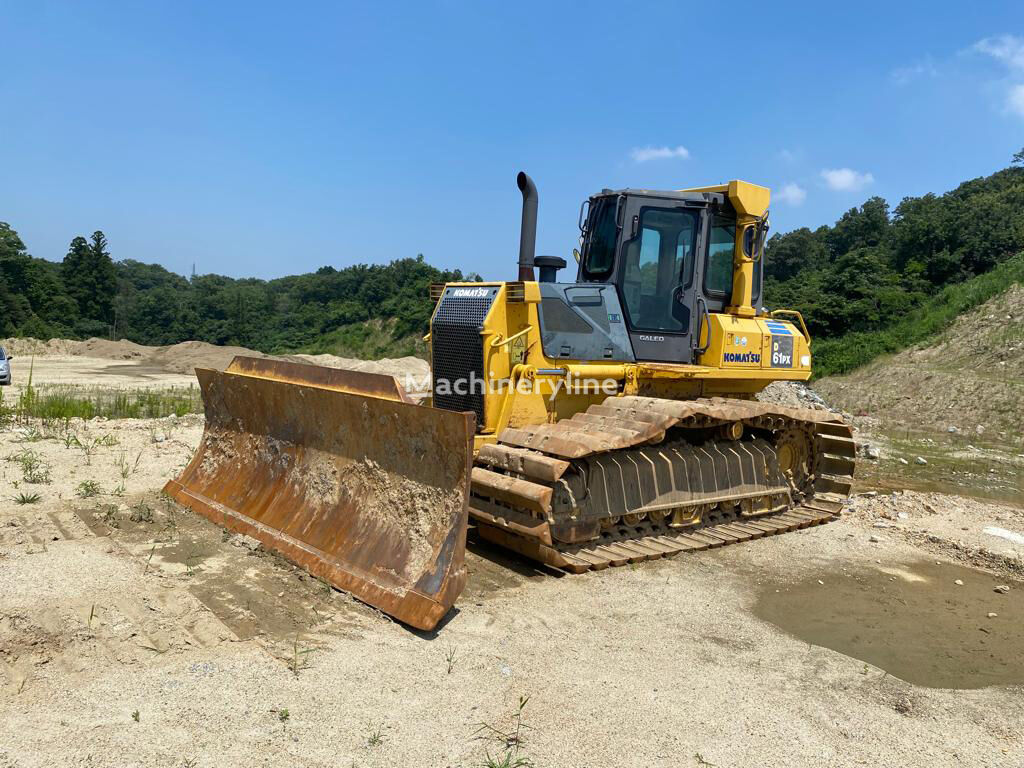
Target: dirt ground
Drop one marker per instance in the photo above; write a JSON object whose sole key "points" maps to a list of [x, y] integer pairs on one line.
{"points": [[135, 633]]}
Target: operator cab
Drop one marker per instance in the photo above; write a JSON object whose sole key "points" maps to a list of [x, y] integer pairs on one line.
{"points": [[669, 257]]}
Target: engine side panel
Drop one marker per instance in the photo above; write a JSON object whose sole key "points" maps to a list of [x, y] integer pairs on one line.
{"points": [[583, 321]]}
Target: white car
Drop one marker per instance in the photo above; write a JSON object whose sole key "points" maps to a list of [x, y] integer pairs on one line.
{"points": [[5, 367]]}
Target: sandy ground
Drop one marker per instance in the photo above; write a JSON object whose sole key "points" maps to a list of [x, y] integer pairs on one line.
{"points": [[135, 633], [127, 364]]}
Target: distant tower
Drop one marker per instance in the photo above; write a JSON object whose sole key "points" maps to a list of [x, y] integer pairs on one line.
{"points": [[193, 277]]}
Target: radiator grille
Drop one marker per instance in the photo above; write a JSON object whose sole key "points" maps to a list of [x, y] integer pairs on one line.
{"points": [[457, 349]]}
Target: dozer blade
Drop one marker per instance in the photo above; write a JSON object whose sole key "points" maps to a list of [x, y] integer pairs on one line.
{"points": [[342, 476]]}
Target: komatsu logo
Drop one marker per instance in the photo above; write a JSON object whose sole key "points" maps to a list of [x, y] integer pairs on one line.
{"points": [[743, 357], [469, 293]]}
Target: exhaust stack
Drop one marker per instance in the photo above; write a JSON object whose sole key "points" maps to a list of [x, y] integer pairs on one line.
{"points": [[528, 232]]}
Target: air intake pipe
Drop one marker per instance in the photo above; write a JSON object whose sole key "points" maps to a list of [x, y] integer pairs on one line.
{"points": [[528, 232]]}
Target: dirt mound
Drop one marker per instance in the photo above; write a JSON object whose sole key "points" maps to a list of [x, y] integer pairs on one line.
{"points": [[28, 346], [412, 372], [189, 355], [111, 350], [971, 377]]}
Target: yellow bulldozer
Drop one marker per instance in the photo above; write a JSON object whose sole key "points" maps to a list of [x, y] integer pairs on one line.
{"points": [[582, 424]]}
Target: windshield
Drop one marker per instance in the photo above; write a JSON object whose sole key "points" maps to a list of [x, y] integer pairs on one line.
{"points": [[659, 260]]}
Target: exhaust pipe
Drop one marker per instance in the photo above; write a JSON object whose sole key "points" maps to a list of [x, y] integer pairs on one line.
{"points": [[528, 232]]}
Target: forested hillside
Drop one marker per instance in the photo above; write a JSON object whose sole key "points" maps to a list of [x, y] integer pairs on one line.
{"points": [[863, 275], [362, 310], [857, 283]]}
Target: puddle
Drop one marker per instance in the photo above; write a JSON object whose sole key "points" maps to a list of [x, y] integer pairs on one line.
{"points": [[911, 620], [961, 464]]}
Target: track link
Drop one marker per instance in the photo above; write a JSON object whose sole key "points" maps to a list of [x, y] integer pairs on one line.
{"points": [[647, 493]]}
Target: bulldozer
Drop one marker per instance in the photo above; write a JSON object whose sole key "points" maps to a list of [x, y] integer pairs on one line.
{"points": [[585, 424]]}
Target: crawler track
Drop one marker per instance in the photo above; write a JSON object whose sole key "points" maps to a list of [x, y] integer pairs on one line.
{"points": [[638, 478]]}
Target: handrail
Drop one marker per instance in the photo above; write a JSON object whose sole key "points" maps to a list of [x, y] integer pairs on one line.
{"points": [[499, 343], [700, 350], [795, 313]]}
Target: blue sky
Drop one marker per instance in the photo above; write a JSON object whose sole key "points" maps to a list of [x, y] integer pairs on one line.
{"points": [[264, 140]]}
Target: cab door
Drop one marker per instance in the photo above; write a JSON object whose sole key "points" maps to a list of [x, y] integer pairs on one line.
{"points": [[656, 276]]}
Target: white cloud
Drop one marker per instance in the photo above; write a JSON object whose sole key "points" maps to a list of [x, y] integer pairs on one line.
{"points": [[1009, 51], [846, 179], [644, 154], [1005, 48], [907, 75], [791, 194], [1015, 100]]}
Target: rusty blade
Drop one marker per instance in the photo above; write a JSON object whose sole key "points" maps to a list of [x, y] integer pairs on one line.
{"points": [[338, 379], [366, 492]]}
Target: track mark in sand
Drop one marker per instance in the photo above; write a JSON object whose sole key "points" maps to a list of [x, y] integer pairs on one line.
{"points": [[252, 594]]}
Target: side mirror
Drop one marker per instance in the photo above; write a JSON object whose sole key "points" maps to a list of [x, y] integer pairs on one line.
{"points": [[749, 237], [576, 254]]}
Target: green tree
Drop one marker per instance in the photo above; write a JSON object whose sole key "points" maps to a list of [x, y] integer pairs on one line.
{"points": [[1018, 158], [91, 281], [862, 227], [794, 252]]}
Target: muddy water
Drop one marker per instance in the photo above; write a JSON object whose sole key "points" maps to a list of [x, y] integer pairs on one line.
{"points": [[912, 620], [961, 464]]}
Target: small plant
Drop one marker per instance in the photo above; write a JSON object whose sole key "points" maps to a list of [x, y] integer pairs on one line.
{"points": [[148, 560], [27, 498], [376, 737], [512, 739], [32, 435], [109, 440], [108, 514], [189, 567], [283, 714], [33, 468], [141, 513], [172, 523], [92, 613], [118, 489], [88, 488], [71, 439], [126, 467], [190, 762], [135, 715], [449, 657], [88, 449], [300, 657], [123, 466]]}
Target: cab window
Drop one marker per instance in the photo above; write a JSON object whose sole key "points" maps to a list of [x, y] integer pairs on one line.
{"points": [[721, 243], [602, 233], [658, 261]]}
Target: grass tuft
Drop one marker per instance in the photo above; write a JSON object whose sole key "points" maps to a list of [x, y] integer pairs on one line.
{"points": [[88, 488], [66, 402]]}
